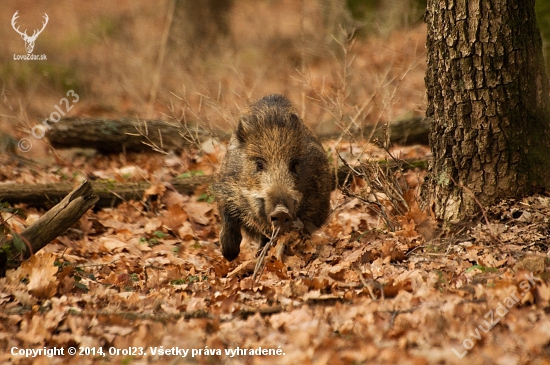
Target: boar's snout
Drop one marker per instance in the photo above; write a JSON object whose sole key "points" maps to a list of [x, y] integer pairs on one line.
{"points": [[280, 217]]}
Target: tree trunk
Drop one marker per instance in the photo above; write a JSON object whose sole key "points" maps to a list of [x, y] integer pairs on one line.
{"points": [[489, 104], [200, 26]]}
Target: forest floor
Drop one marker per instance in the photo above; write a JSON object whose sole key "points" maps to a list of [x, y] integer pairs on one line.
{"points": [[144, 282], [144, 278]]}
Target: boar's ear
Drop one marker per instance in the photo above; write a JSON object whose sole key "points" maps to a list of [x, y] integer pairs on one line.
{"points": [[242, 130], [295, 120]]}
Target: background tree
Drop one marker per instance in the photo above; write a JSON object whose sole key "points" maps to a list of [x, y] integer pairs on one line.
{"points": [[488, 97], [200, 26]]}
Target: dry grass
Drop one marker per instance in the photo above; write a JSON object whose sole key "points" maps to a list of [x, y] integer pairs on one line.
{"points": [[110, 57]]}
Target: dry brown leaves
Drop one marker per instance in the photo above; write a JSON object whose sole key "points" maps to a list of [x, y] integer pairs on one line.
{"points": [[150, 278]]}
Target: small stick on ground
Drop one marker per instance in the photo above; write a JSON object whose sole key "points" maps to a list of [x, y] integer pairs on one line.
{"points": [[260, 263], [365, 283], [491, 231]]}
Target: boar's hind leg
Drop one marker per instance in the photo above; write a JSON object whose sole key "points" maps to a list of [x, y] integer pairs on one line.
{"points": [[230, 236]]}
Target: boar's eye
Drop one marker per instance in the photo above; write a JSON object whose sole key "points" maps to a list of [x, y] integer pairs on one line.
{"points": [[293, 166], [260, 165]]}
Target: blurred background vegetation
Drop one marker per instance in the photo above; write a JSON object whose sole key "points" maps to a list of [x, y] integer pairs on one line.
{"points": [[345, 63]]}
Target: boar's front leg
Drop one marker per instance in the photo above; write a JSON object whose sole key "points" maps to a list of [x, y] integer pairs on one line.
{"points": [[230, 236], [263, 241]]}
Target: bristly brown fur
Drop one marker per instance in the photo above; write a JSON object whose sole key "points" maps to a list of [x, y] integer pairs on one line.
{"points": [[273, 159]]}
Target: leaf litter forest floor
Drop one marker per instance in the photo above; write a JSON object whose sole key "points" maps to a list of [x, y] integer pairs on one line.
{"points": [[146, 277]]}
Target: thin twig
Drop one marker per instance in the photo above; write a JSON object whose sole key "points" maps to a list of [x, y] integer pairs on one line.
{"points": [[260, 263], [491, 232], [365, 284]]}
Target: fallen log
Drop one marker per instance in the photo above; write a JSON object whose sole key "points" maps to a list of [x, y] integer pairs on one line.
{"points": [[52, 224], [111, 193], [108, 193], [125, 134]]}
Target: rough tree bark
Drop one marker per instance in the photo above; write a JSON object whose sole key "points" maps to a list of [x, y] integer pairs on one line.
{"points": [[489, 104]]}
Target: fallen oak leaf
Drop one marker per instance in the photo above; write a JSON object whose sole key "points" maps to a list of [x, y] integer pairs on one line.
{"points": [[392, 289], [154, 190], [198, 212], [244, 268], [41, 274]]}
